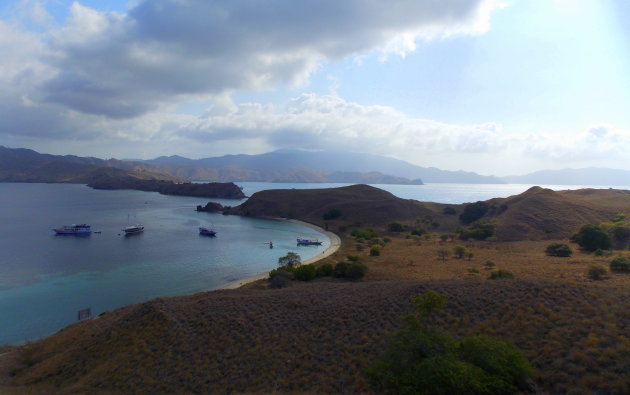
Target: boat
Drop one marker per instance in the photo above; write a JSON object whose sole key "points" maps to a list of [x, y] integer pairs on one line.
{"points": [[207, 232], [308, 242], [75, 229], [133, 229]]}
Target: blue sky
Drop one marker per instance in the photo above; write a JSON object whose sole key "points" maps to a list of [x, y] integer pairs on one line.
{"points": [[496, 87]]}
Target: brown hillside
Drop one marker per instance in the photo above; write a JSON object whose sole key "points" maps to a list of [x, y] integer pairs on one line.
{"points": [[360, 205], [540, 213], [315, 338]]}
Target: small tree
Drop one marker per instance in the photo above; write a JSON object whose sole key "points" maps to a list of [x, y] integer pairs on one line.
{"points": [[501, 275], [396, 227], [459, 251], [595, 272], [290, 260], [620, 264], [375, 250], [591, 237], [443, 253], [305, 272], [558, 249], [489, 264]]}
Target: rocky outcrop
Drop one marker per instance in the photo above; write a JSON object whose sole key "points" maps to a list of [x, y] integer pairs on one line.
{"points": [[211, 207]]}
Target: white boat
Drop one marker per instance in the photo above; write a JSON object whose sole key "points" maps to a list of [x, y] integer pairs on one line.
{"points": [[132, 229]]}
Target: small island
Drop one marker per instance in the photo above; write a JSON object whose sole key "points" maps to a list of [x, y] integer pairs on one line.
{"points": [[220, 190]]}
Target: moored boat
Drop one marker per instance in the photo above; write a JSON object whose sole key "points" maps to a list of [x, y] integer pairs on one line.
{"points": [[75, 229], [308, 242], [207, 232], [133, 229]]}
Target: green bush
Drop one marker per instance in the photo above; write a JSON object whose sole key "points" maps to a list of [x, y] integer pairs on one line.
{"points": [[478, 230], [355, 271], [620, 264], [501, 275], [396, 227], [375, 250], [333, 213], [364, 234], [558, 249], [423, 360], [304, 272], [600, 252], [418, 232], [353, 258], [592, 237], [324, 270], [595, 272], [340, 269], [459, 251], [280, 278]]}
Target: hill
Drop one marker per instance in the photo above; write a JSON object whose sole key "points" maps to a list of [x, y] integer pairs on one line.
{"points": [[536, 214], [324, 166], [358, 205], [24, 165], [586, 176]]}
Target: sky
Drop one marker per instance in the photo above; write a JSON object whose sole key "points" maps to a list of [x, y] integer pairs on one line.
{"points": [[495, 87]]}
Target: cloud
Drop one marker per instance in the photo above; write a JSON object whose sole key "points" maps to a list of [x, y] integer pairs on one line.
{"points": [[124, 65]]}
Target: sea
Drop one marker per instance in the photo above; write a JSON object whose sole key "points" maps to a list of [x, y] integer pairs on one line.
{"points": [[46, 279]]}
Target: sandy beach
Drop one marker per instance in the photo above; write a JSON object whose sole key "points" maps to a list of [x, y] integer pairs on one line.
{"points": [[335, 243]]}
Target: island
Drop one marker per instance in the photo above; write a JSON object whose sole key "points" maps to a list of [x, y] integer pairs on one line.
{"points": [[220, 190]]}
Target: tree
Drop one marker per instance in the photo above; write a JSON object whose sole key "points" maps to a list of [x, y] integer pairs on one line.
{"points": [[423, 360], [591, 237], [396, 227], [443, 253], [595, 272], [459, 251], [558, 249], [291, 260], [620, 264]]}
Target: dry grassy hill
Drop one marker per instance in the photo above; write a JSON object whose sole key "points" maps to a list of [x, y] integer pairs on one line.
{"points": [[359, 205], [319, 338], [540, 213]]}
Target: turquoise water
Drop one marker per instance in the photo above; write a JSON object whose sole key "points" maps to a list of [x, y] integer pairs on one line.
{"points": [[45, 279]]}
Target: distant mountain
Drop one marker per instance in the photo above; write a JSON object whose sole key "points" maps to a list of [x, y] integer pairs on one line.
{"points": [[324, 166], [587, 176], [25, 165]]}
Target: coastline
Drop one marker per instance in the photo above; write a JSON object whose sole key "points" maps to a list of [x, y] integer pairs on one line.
{"points": [[335, 243]]}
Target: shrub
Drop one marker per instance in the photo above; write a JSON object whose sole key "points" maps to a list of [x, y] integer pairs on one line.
{"points": [[558, 249], [396, 227], [443, 253], [478, 230], [595, 272], [353, 258], [304, 272], [333, 213], [418, 232], [592, 237], [340, 269], [424, 360], [501, 275], [355, 270], [600, 252], [489, 264], [459, 251], [324, 270], [620, 264], [280, 278], [473, 211], [291, 259], [364, 234], [375, 250]]}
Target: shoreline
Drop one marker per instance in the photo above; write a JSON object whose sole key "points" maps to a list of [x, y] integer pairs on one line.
{"points": [[335, 243]]}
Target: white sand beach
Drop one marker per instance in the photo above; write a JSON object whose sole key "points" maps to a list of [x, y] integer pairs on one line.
{"points": [[335, 243]]}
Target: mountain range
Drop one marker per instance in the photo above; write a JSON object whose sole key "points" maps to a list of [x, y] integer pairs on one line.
{"points": [[292, 166]]}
